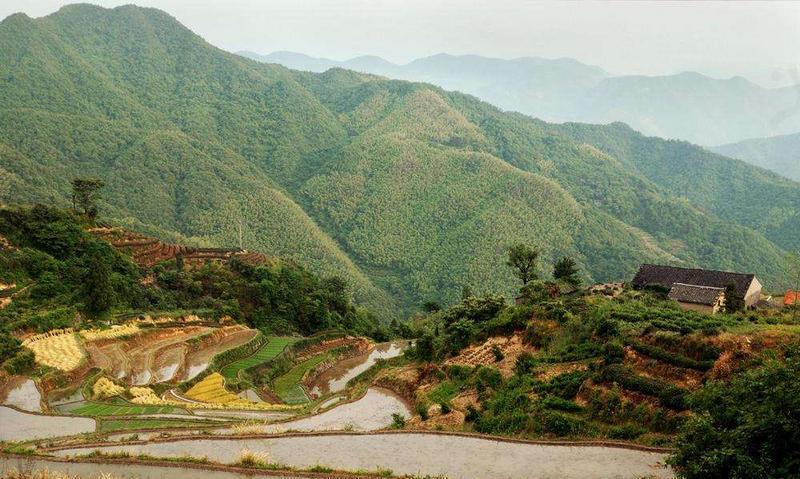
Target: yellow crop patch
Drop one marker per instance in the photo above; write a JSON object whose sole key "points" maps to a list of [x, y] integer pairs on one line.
{"points": [[59, 349], [211, 390]]}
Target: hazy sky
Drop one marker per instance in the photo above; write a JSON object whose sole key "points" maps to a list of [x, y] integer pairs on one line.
{"points": [[759, 40]]}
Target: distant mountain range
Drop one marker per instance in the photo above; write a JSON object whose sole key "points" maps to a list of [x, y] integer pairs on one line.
{"points": [[406, 190], [687, 106], [780, 154]]}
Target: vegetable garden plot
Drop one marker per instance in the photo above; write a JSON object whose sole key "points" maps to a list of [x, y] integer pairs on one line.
{"points": [[275, 345], [288, 387]]}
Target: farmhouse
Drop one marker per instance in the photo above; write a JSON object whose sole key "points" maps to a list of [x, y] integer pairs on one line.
{"points": [[747, 288], [704, 299]]}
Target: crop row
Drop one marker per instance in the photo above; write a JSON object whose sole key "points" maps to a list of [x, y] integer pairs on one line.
{"points": [[669, 395], [669, 357], [273, 347]]}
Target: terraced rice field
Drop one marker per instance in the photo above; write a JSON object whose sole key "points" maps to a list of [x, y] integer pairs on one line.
{"points": [[113, 425], [288, 387], [418, 454], [211, 391], [59, 349], [275, 345], [122, 408], [20, 426], [161, 355]]}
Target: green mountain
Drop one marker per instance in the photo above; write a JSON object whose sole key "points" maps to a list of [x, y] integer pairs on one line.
{"points": [[780, 154], [404, 189], [688, 106]]}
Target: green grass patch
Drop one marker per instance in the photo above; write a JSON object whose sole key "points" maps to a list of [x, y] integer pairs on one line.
{"points": [[126, 409], [274, 346], [444, 392], [287, 386]]}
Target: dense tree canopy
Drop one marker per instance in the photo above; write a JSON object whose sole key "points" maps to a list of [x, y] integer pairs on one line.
{"points": [[746, 428]]}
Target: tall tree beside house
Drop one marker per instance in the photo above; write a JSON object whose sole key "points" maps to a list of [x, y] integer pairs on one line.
{"points": [[85, 193], [732, 302], [522, 259], [566, 269]]}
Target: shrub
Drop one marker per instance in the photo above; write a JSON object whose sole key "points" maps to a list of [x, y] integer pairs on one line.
{"points": [[671, 358], [560, 424], [422, 410], [498, 353], [746, 427], [626, 432], [669, 395], [507, 422], [525, 364], [398, 421], [560, 404], [565, 386], [472, 414], [613, 352], [22, 362]]}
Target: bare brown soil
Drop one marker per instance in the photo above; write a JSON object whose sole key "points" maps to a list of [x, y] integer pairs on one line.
{"points": [[146, 251], [651, 368], [547, 372], [482, 354]]}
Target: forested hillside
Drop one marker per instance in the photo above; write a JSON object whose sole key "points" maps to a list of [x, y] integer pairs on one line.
{"points": [[688, 106], [780, 154], [406, 190]]}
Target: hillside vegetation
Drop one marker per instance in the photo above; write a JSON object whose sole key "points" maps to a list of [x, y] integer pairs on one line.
{"points": [[689, 106], [780, 154], [405, 190], [613, 365], [56, 275]]}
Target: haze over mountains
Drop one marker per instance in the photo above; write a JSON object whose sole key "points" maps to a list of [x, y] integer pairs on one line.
{"points": [[687, 106], [780, 154], [406, 190]]}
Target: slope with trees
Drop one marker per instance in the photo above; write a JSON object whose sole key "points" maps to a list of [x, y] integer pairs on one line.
{"points": [[688, 106], [406, 190], [780, 154]]}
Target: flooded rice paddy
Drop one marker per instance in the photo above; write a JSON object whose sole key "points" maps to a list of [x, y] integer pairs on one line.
{"points": [[259, 415], [371, 412], [122, 471], [165, 373], [455, 457], [335, 379], [192, 370], [20, 426], [22, 393]]}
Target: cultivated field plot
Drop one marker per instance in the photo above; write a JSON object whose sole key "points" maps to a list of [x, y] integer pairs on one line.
{"points": [[164, 354], [123, 408], [59, 349], [288, 387], [211, 391], [275, 345]]}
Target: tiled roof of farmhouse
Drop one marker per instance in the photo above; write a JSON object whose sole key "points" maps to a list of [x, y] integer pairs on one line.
{"points": [[667, 276], [691, 293]]}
